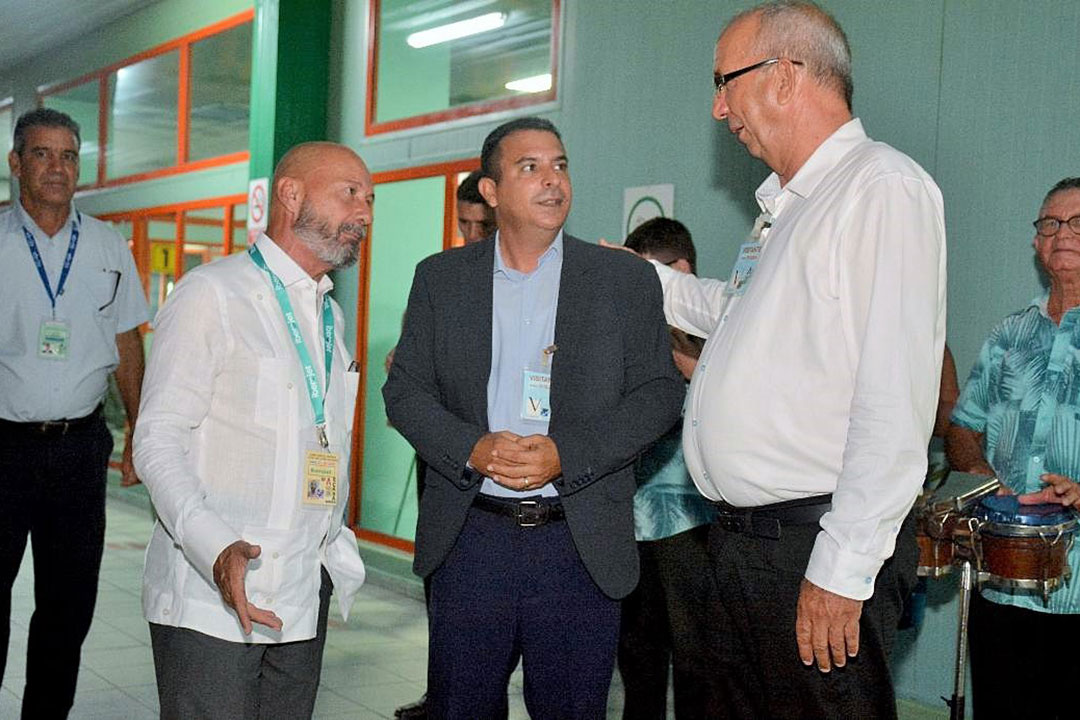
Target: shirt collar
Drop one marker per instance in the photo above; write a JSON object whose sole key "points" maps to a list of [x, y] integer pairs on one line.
{"points": [[555, 250], [27, 222], [1042, 303], [287, 269], [824, 159]]}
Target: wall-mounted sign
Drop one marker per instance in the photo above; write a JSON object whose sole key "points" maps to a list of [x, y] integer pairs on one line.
{"points": [[163, 258], [646, 202], [258, 207]]}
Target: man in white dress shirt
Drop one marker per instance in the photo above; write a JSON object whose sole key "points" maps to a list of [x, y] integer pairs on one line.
{"points": [[243, 441], [810, 410]]}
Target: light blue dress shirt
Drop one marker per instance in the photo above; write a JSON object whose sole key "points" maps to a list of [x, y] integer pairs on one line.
{"points": [[522, 326], [1024, 395], [666, 502]]}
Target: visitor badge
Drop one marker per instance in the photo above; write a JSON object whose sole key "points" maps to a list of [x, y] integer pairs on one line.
{"points": [[320, 486], [749, 254], [536, 395], [54, 339]]}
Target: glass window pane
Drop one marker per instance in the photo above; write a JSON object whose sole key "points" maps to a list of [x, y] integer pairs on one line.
{"points": [[6, 128], [81, 103], [509, 59], [239, 232], [142, 101], [410, 228], [220, 93]]}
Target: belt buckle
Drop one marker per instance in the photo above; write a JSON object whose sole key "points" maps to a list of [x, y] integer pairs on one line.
{"points": [[730, 521], [49, 426], [530, 513]]}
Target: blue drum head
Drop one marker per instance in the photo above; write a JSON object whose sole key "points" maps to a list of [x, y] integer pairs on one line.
{"points": [[1007, 510]]}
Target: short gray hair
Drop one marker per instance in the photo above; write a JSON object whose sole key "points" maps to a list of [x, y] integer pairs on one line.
{"points": [[1069, 183], [42, 117], [801, 30]]}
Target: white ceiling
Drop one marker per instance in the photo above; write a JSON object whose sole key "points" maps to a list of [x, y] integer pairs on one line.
{"points": [[31, 26]]}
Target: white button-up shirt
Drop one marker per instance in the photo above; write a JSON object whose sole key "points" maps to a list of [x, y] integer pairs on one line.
{"points": [[223, 426], [102, 297], [823, 377]]}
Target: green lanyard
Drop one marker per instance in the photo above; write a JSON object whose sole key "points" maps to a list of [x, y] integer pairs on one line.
{"points": [[311, 378]]}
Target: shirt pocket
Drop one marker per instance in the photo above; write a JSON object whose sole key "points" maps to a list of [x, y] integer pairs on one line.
{"points": [[273, 385], [102, 288], [282, 573]]}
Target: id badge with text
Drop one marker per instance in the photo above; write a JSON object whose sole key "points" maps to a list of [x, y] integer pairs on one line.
{"points": [[54, 339], [321, 470]]}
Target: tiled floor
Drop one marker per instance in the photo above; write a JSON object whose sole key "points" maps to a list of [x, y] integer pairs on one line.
{"points": [[372, 664]]}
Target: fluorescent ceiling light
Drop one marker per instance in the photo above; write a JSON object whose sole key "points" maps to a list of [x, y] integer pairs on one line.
{"points": [[534, 84], [453, 31]]}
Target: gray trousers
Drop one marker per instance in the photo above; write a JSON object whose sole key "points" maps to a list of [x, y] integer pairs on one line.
{"points": [[205, 678]]}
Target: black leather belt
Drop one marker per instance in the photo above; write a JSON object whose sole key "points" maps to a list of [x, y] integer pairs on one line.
{"points": [[530, 512], [767, 520], [46, 428]]}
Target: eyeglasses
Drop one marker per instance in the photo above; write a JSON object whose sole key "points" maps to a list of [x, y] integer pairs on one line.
{"points": [[720, 80], [1049, 226]]}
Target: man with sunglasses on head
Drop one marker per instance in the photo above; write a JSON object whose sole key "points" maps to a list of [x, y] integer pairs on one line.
{"points": [[811, 407], [1017, 419], [73, 304]]}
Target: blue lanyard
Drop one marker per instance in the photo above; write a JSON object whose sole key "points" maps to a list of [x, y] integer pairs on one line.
{"points": [[311, 378], [36, 255]]}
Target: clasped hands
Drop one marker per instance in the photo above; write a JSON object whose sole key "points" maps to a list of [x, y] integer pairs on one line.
{"points": [[517, 462]]}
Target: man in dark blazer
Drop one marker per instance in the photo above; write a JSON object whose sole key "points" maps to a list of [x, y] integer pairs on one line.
{"points": [[532, 369]]}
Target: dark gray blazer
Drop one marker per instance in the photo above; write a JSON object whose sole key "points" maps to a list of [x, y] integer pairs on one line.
{"points": [[614, 390]]}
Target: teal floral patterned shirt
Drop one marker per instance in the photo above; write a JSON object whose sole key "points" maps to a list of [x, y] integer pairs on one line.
{"points": [[1024, 395], [667, 503]]}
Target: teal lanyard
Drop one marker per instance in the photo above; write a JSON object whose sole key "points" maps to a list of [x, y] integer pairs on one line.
{"points": [[311, 378]]}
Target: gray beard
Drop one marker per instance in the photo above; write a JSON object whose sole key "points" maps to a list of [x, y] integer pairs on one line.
{"points": [[329, 245]]}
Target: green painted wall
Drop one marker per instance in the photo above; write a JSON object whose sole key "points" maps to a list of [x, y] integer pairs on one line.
{"points": [[413, 210]]}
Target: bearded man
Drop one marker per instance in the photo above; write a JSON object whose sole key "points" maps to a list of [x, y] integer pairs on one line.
{"points": [[244, 446]]}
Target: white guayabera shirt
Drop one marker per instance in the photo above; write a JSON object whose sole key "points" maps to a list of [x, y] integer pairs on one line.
{"points": [[223, 426]]}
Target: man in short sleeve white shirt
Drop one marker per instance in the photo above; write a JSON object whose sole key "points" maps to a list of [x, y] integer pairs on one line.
{"points": [[243, 441], [811, 408], [72, 304]]}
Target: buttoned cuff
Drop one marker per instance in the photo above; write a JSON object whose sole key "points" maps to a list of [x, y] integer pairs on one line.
{"points": [[841, 571], [205, 536]]}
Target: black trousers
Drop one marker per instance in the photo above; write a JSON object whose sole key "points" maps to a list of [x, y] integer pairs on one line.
{"points": [[753, 632], [506, 593], [665, 621], [52, 489], [1022, 662], [204, 677]]}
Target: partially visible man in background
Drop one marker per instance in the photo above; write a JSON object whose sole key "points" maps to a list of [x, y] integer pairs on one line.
{"points": [[665, 619]]}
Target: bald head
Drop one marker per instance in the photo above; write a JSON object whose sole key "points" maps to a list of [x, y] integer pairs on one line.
{"points": [[322, 206]]}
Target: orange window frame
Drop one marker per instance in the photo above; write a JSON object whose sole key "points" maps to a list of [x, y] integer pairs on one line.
{"points": [[450, 171], [140, 238], [373, 127], [182, 45]]}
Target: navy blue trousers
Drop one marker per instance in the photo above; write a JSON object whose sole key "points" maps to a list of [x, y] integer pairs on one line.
{"points": [[506, 593]]}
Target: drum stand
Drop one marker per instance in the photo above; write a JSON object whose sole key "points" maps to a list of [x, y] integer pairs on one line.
{"points": [[956, 704]]}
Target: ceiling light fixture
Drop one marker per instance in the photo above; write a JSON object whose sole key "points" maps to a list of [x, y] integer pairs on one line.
{"points": [[456, 30], [534, 84]]}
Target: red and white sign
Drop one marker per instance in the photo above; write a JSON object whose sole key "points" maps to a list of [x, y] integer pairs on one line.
{"points": [[258, 207]]}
